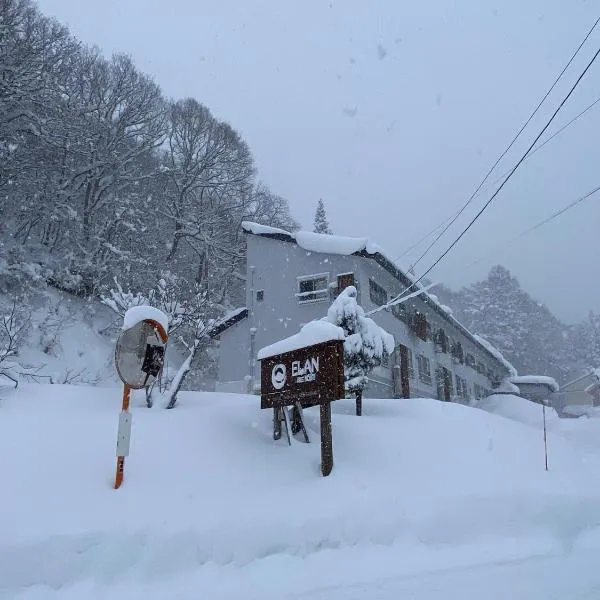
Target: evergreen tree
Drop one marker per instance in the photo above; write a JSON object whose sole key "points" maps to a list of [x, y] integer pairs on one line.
{"points": [[321, 224], [365, 345], [523, 329]]}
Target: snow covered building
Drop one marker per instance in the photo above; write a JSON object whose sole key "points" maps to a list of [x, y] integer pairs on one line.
{"points": [[537, 388], [579, 395], [293, 277]]}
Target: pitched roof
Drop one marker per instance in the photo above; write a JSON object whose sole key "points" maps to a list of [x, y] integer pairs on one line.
{"points": [[231, 318], [365, 248]]}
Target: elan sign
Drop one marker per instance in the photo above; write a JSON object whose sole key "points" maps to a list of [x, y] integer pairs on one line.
{"points": [[309, 376]]}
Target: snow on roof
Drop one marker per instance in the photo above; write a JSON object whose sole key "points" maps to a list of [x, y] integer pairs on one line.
{"points": [[536, 380], [507, 387], [312, 333], [330, 244], [229, 319], [136, 314], [258, 229], [318, 242], [495, 352], [447, 309]]}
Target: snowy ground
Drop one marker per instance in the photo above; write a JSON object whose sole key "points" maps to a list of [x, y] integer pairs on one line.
{"points": [[427, 500]]}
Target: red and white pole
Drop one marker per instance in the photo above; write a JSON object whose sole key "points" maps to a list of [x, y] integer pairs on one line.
{"points": [[123, 436]]}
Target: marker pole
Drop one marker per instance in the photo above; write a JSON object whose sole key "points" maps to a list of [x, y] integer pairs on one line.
{"points": [[123, 437]]}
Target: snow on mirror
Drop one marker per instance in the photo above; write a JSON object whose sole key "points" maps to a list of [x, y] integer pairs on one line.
{"points": [[139, 355]]}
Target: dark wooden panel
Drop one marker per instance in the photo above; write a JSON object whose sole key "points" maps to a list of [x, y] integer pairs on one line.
{"points": [[310, 375]]}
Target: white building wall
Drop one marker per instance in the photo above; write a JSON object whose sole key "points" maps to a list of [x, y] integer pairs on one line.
{"points": [[273, 270]]}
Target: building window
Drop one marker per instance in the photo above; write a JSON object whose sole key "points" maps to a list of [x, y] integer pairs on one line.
{"points": [[480, 368], [260, 295], [344, 280], [470, 360], [462, 390], [442, 343], [313, 288], [444, 384], [377, 294], [479, 391], [411, 366], [424, 367], [399, 311], [420, 326], [457, 353]]}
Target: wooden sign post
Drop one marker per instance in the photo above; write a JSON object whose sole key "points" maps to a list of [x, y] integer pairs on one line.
{"points": [[139, 357], [308, 376]]}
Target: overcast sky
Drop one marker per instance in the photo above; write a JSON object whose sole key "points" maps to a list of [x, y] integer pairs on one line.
{"points": [[392, 112]]}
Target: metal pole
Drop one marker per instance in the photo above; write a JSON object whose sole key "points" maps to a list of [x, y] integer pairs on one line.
{"points": [[123, 419], [326, 440], [252, 349], [545, 442]]}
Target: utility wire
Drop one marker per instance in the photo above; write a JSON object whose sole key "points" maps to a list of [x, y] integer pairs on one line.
{"points": [[533, 228], [471, 198], [485, 206], [495, 194], [557, 132], [536, 149]]}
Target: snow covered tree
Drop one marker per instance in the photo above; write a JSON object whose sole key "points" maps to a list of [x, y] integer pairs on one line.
{"points": [[191, 314], [523, 329], [321, 224], [365, 345], [14, 324]]}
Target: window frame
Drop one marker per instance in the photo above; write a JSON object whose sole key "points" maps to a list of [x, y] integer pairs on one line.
{"points": [[320, 295], [426, 362], [373, 285]]}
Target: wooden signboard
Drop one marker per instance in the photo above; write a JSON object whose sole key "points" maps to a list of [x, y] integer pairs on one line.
{"points": [[309, 376]]}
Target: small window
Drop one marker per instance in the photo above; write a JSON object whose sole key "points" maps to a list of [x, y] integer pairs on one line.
{"points": [[424, 369], [377, 294], [479, 391], [420, 326], [344, 280], [260, 295], [411, 366], [313, 288], [399, 311], [458, 353], [442, 342], [470, 360], [461, 387]]}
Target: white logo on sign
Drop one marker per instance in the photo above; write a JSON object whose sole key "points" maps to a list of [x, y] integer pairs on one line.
{"points": [[278, 376]]}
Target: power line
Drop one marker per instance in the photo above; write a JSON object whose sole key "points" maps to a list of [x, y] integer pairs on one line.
{"points": [[535, 227], [474, 194], [536, 149], [485, 206], [557, 132], [512, 172]]}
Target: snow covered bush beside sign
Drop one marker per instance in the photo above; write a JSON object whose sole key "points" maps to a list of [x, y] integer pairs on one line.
{"points": [[365, 346]]}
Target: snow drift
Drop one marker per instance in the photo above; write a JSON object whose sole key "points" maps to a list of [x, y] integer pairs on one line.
{"points": [[207, 490]]}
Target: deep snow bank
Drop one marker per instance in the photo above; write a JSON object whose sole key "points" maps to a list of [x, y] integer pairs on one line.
{"points": [[517, 409], [206, 485]]}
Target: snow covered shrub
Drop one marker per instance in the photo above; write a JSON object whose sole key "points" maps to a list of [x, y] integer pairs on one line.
{"points": [[365, 346], [14, 325], [191, 311]]}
